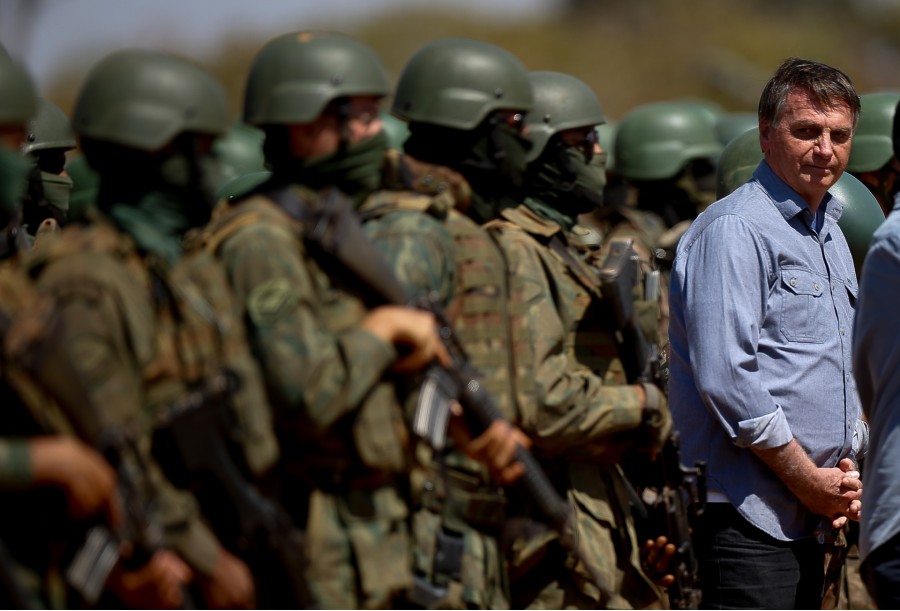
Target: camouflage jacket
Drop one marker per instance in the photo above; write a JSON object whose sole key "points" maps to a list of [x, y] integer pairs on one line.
{"points": [[336, 409], [577, 419], [134, 353]]}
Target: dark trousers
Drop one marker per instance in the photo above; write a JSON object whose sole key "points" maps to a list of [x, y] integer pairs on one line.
{"points": [[881, 573], [741, 567]]}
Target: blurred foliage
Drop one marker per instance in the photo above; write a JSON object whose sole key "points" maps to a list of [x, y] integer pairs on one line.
{"points": [[629, 51]]}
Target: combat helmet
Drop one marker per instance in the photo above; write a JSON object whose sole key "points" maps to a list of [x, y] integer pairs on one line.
{"points": [[143, 99], [239, 151], [862, 215], [18, 102], [655, 141], [561, 102], [606, 135], [872, 146], [294, 76], [50, 128], [738, 161], [457, 83], [732, 124]]}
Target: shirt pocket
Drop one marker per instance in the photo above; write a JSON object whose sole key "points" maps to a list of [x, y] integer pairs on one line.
{"points": [[803, 306]]}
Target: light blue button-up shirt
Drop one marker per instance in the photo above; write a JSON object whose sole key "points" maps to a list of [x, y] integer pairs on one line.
{"points": [[761, 326], [877, 362]]}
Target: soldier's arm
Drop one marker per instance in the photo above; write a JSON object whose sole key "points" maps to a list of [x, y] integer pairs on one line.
{"points": [[311, 369], [573, 408]]}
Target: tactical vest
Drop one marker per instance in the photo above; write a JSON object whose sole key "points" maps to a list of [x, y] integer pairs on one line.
{"points": [[179, 323], [487, 321], [377, 437]]}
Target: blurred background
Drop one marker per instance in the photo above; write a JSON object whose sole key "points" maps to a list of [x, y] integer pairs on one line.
{"points": [[629, 51]]}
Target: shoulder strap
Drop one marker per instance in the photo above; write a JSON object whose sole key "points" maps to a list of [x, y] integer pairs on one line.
{"points": [[578, 268]]}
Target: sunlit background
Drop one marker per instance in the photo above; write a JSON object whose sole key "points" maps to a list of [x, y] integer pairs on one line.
{"points": [[629, 51]]}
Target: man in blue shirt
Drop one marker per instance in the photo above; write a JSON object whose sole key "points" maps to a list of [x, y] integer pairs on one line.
{"points": [[762, 302], [875, 359]]}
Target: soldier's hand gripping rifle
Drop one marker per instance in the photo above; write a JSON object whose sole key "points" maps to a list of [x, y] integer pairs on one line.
{"points": [[331, 228], [673, 495]]}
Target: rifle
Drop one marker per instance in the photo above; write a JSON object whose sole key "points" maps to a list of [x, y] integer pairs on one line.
{"points": [[672, 495], [331, 228], [190, 445]]}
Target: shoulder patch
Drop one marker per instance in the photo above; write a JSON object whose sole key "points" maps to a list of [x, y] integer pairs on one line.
{"points": [[269, 301]]}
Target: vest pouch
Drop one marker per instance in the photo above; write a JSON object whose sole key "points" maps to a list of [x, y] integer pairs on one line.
{"points": [[380, 433]]}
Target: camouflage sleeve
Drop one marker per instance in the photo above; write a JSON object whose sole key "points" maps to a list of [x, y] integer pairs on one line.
{"points": [[105, 331], [15, 464], [306, 365], [572, 407], [419, 249]]}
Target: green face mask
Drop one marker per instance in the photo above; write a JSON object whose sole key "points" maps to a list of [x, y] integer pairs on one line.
{"points": [[57, 190], [565, 184], [355, 169]]}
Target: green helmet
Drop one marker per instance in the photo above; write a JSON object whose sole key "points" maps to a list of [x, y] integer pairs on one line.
{"points": [[656, 140], [240, 151], [49, 129], [457, 83], [731, 125], [143, 99], [397, 131], [239, 185], [737, 162], [18, 97], [561, 102], [606, 135], [294, 76], [862, 215], [872, 146]]}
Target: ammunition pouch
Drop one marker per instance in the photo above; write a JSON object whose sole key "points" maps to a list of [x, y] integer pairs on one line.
{"points": [[464, 501]]}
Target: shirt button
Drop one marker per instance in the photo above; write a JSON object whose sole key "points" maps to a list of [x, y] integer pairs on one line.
{"points": [[816, 286], [793, 282]]}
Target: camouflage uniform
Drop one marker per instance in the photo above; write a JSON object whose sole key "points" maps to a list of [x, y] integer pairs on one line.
{"points": [[579, 422], [106, 294], [344, 445], [436, 249], [143, 325]]}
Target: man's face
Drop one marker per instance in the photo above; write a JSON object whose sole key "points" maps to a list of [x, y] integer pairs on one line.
{"points": [[323, 136], [809, 147]]}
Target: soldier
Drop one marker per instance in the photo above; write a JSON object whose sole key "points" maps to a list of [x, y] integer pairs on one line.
{"points": [[667, 152], [37, 460], [144, 324], [579, 422], [872, 158], [19, 104], [464, 102], [48, 140], [329, 354]]}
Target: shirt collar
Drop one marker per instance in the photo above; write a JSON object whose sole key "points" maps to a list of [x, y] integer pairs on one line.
{"points": [[788, 201]]}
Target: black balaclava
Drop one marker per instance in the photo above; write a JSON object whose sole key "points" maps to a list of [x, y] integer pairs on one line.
{"points": [[490, 157]]}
